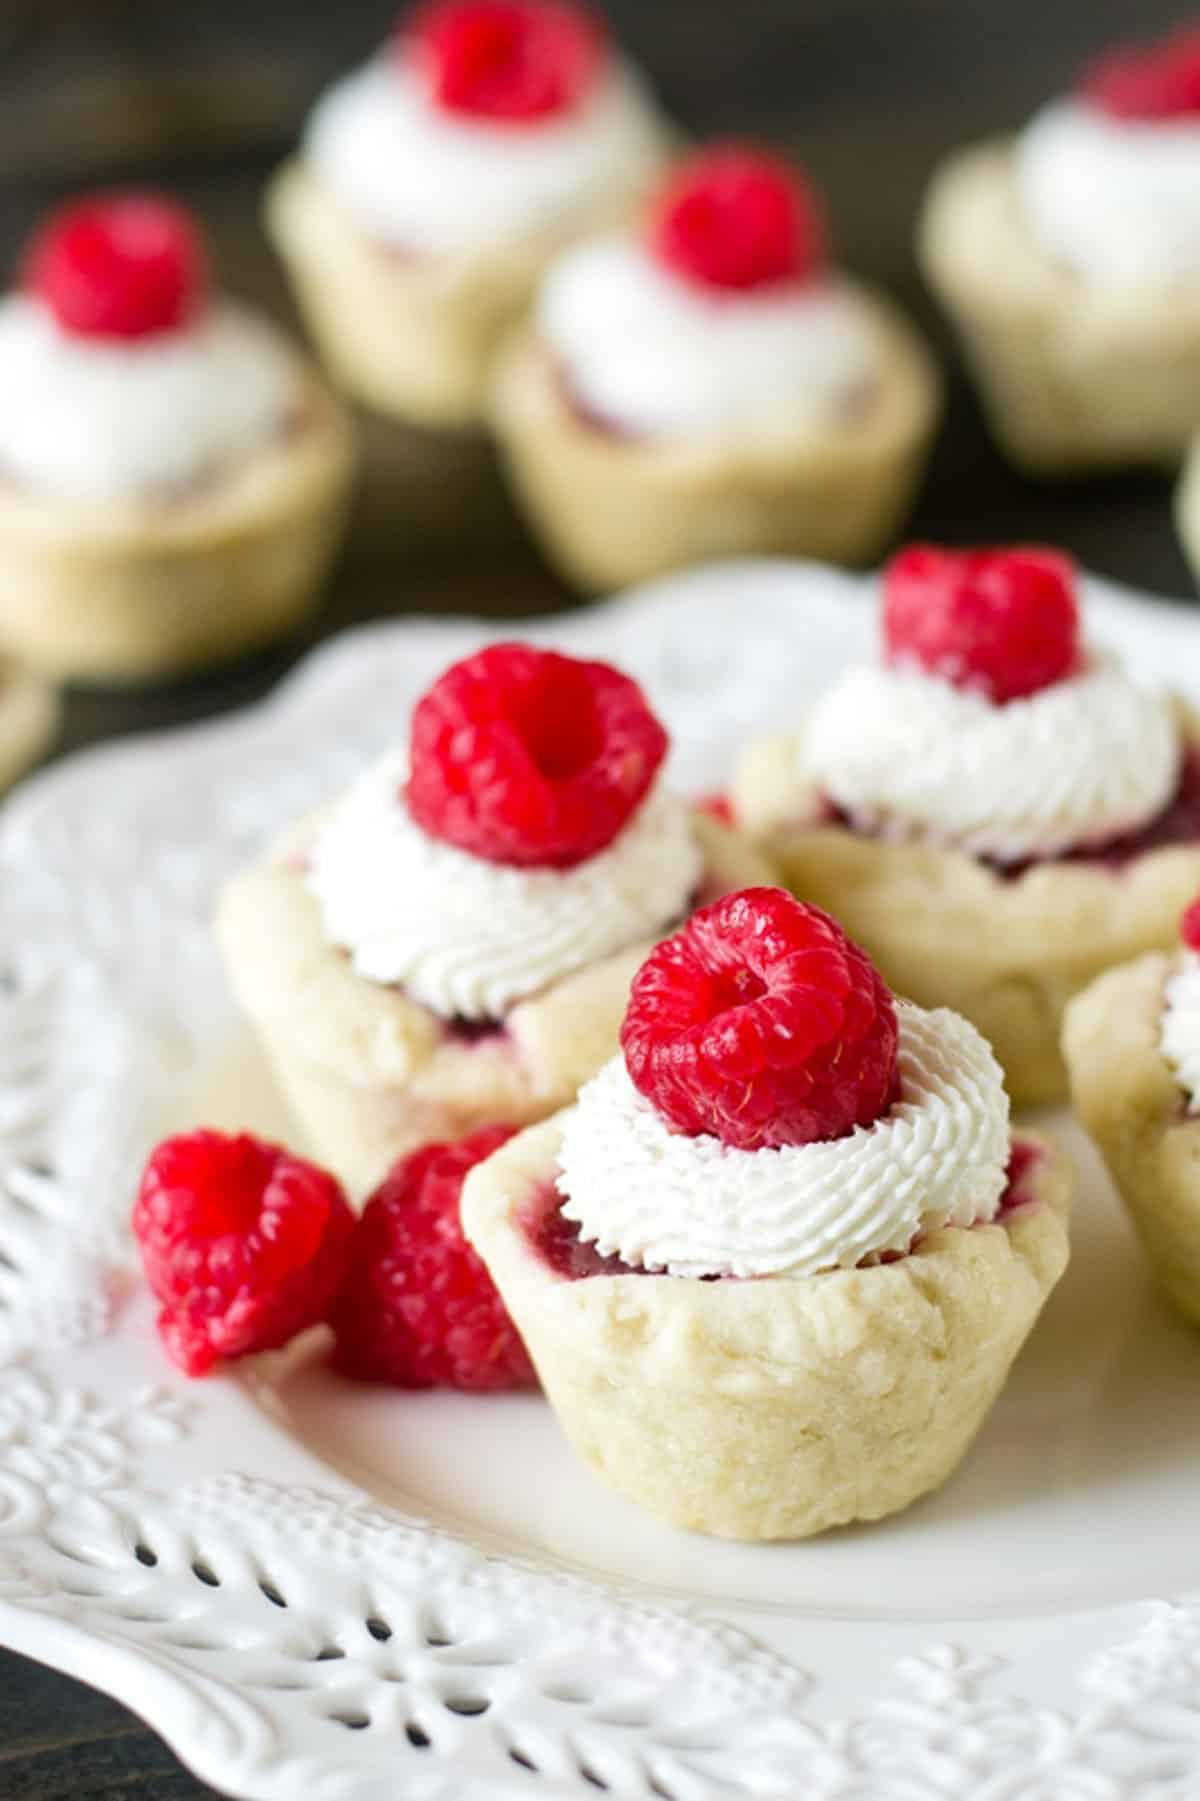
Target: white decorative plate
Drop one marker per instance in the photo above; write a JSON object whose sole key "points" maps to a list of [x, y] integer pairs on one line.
{"points": [[344, 1595]]}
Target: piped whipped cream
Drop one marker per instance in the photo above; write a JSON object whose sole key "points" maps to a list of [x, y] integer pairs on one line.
{"points": [[696, 1207], [1181, 1027], [909, 756], [652, 353], [1118, 200], [468, 938], [417, 177], [103, 418]]}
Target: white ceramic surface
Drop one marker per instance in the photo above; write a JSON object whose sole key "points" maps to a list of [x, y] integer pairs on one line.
{"points": [[358, 1596]]}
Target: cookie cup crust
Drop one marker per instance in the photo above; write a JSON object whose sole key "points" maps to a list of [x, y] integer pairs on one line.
{"points": [[1133, 1107], [412, 335], [369, 1073], [779, 1407], [613, 510], [1073, 374], [128, 590], [29, 715], [948, 931]]}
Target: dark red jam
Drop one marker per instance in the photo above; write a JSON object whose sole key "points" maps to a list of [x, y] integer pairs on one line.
{"points": [[474, 1031], [556, 1238], [1178, 823]]}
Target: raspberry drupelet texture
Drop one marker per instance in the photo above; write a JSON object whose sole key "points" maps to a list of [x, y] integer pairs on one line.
{"points": [[418, 1308], [1189, 926], [761, 1023], [732, 217], [526, 757], [1003, 623], [514, 62], [1148, 82], [119, 265], [242, 1243]]}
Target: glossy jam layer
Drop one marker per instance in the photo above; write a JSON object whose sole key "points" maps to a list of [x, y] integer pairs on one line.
{"points": [[557, 1241], [1178, 823]]}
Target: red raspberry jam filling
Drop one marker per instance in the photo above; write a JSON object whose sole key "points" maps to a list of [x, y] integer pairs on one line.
{"points": [[733, 219], [1178, 823], [1002, 623], [1148, 83], [527, 757], [509, 62], [121, 265], [557, 1242]]}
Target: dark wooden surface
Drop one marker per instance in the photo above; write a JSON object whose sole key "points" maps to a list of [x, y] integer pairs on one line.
{"points": [[206, 97]]}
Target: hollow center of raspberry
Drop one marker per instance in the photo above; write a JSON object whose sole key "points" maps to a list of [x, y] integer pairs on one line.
{"points": [[731, 988], [560, 731], [227, 1190]]}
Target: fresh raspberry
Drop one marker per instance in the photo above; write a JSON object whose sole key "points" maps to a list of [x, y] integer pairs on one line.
{"points": [[510, 61], [1002, 622], [1148, 82], [732, 217], [524, 756], [1189, 926], [243, 1244], [761, 1024], [418, 1308], [122, 265]]}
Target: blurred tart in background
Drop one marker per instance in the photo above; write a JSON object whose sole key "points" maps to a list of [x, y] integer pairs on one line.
{"points": [[434, 184], [995, 808], [452, 941], [1069, 258], [708, 386], [173, 474], [1132, 1044]]}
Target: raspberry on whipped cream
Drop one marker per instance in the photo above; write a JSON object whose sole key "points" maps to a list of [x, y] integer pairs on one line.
{"points": [[1181, 1011], [879, 1121], [988, 728], [1109, 177], [523, 834], [121, 374], [484, 120], [721, 318]]}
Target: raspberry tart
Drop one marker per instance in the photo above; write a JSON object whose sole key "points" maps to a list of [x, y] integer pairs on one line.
{"points": [[995, 808], [1069, 258], [451, 943], [173, 475], [774, 1266], [1132, 1044], [434, 184], [710, 386]]}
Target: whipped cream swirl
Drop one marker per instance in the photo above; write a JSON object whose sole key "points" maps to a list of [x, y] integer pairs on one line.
{"points": [[1117, 200], [468, 938], [654, 354], [907, 755], [697, 1207], [103, 418], [1181, 1027], [420, 178]]}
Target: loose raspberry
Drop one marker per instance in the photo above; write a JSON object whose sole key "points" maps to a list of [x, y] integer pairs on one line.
{"points": [[510, 61], [761, 1024], [124, 265], [418, 1308], [732, 217], [1149, 82], [1002, 622], [524, 756], [1189, 926], [243, 1244]]}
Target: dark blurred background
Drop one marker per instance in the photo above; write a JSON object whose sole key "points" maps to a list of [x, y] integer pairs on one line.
{"points": [[206, 97]]}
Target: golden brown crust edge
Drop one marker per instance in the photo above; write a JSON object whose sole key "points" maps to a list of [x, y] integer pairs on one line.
{"points": [[1129, 1101], [773, 1408]]}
